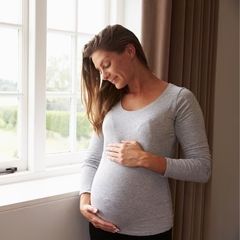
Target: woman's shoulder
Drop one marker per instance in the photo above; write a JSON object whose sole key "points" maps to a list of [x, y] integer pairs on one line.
{"points": [[181, 92], [183, 98]]}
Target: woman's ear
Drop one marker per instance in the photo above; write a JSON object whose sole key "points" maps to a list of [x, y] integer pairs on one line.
{"points": [[130, 50]]}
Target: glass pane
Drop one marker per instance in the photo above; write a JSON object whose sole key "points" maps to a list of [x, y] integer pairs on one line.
{"points": [[91, 16], [11, 11], [9, 59], [84, 128], [58, 62], [61, 14], [57, 124], [8, 128]]}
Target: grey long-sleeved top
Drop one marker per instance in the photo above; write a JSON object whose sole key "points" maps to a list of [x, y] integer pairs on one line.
{"points": [[138, 200]]}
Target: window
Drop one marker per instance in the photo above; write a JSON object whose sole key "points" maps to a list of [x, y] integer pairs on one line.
{"points": [[42, 121]]}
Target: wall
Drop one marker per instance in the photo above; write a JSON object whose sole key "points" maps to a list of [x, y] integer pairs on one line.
{"points": [[222, 206], [54, 218]]}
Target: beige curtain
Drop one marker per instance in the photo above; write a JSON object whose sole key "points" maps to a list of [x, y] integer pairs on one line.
{"points": [[189, 61], [156, 34]]}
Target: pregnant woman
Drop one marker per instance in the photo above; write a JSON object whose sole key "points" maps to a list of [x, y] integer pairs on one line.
{"points": [[138, 120]]}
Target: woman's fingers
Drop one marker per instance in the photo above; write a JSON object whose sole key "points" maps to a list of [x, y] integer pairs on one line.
{"points": [[114, 147], [90, 213], [104, 225], [129, 141]]}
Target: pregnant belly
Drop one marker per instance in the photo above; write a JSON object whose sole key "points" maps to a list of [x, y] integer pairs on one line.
{"points": [[115, 193], [123, 195], [134, 199]]}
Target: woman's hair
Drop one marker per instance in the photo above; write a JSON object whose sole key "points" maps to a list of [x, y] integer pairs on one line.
{"points": [[99, 97]]}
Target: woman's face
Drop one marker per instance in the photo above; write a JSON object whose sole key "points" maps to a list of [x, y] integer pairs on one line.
{"points": [[114, 67]]}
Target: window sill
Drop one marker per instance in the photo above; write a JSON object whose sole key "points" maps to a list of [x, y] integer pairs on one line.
{"points": [[39, 188]]}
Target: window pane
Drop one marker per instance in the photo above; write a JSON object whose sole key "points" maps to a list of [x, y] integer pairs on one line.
{"points": [[8, 128], [57, 124], [61, 14], [9, 59], [11, 11], [58, 62], [91, 16], [84, 128]]}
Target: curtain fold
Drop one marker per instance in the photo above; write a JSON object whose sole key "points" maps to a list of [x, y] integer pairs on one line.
{"points": [[179, 38], [156, 20]]}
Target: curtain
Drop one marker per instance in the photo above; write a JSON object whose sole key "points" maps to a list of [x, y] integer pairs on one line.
{"points": [[190, 27], [156, 19]]}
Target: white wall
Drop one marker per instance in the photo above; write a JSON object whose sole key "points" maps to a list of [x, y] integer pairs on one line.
{"points": [[54, 218]]}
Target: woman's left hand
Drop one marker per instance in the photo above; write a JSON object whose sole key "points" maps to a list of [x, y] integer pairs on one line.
{"points": [[126, 153]]}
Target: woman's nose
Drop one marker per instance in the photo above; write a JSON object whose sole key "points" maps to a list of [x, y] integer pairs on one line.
{"points": [[105, 75]]}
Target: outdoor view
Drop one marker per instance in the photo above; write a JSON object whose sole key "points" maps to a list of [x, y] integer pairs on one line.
{"points": [[9, 98], [8, 129]]}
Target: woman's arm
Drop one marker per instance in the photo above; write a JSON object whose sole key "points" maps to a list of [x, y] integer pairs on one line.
{"points": [[191, 134], [90, 163]]}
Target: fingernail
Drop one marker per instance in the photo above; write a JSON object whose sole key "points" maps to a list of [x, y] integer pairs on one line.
{"points": [[116, 230]]}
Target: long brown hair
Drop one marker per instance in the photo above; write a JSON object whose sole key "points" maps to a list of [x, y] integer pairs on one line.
{"points": [[99, 97]]}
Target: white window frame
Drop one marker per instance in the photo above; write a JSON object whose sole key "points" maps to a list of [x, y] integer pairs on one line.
{"points": [[37, 73]]}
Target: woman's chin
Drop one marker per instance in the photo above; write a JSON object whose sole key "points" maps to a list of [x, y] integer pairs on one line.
{"points": [[119, 85]]}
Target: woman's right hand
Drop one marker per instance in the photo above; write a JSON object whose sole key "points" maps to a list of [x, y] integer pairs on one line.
{"points": [[91, 214]]}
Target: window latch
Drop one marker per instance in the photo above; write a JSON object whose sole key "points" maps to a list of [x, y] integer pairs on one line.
{"points": [[8, 170]]}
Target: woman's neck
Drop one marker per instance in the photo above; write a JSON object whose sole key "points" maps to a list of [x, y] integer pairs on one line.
{"points": [[143, 81]]}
